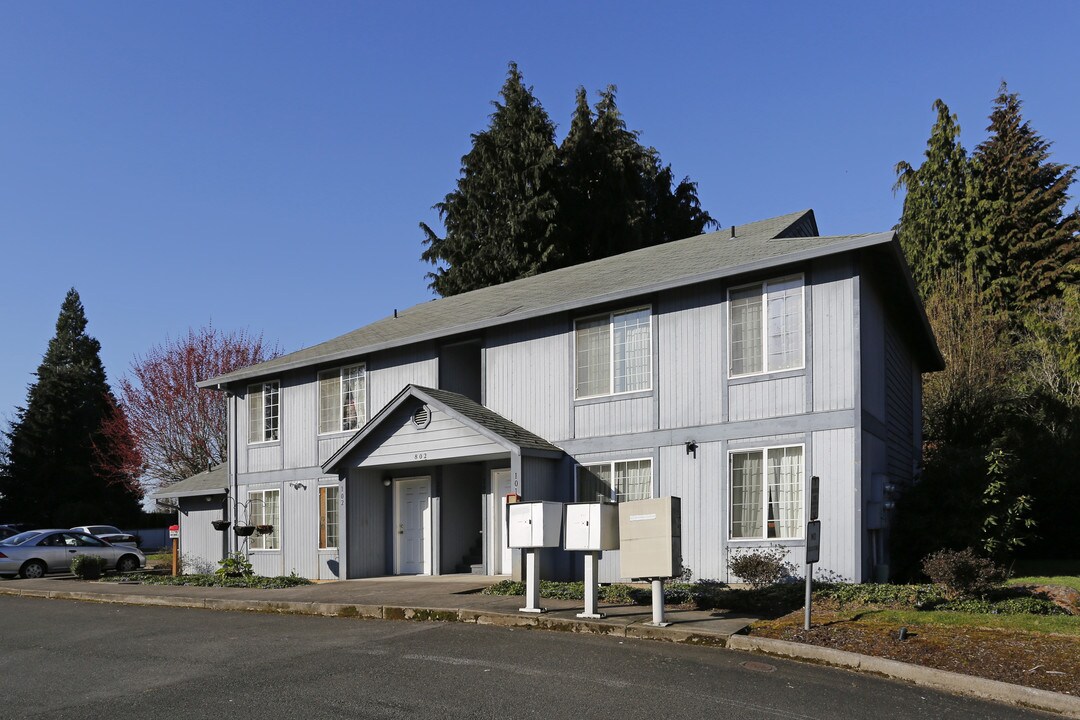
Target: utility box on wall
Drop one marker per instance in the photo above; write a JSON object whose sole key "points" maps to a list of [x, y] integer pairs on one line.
{"points": [[534, 524], [650, 538], [592, 526]]}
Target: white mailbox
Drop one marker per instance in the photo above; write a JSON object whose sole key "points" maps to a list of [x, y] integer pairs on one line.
{"points": [[592, 526], [534, 524], [650, 538]]}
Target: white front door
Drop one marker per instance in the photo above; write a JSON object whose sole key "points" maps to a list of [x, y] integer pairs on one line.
{"points": [[500, 488], [411, 512]]}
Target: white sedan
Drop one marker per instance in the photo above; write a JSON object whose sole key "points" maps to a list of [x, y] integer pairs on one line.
{"points": [[35, 553], [109, 534]]}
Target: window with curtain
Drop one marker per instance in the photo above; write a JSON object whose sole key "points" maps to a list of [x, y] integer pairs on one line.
{"points": [[767, 493], [613, 353], [263, 411], [766, 326], [342, 399], [264, 508], [615, 481], [328, 517]]}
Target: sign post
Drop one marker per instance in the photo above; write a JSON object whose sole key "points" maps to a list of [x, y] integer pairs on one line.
{"points": [[813, 545], [174, 533]]}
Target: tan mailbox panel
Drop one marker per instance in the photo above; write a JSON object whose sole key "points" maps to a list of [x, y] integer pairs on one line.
{"points": [[592, 526], [650, 538], [534, 524]]}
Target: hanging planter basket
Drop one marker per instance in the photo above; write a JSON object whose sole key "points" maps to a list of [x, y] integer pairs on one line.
{"points": [[244, 530], [264, 529], [220, 524]]}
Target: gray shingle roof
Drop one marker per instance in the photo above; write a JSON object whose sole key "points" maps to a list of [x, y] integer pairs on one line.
{"points": [[455, 405], [755, 246], [212, 482]]}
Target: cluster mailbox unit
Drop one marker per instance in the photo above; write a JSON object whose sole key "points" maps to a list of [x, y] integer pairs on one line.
{"points": [[650, 534], [592, 528], [533, 525]]}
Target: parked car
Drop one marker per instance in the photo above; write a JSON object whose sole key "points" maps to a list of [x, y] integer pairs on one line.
{"points": [[49, 551], [109, 534]]}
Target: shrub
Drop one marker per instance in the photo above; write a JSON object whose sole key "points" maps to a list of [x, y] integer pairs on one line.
{"points": [[234, 565], [761, 568], [962, 574], [192, 565], [88, 567]]}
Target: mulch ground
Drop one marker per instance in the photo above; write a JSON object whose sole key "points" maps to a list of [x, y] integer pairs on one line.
{"points": [[1044, 661]]}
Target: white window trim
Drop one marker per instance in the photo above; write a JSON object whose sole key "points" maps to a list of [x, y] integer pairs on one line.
{"points": [[764, 450], [611, 466], [611, 352], [319, 491], [341, 390], [764, 326], [261, 386], [277, 525]]}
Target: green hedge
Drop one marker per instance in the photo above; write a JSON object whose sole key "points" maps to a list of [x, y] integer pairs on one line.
{"points": [[249, 581]]}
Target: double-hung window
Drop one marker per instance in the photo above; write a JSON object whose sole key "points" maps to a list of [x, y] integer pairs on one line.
{"points": [[328, 517], [767, 493], [618, 481], [342, 399], [613, 353], [766, 326], [264, 411], [264, 508]]}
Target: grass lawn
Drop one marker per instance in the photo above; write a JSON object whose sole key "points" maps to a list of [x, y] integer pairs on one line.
{"points": [[1071, 581], [1057, 624]]}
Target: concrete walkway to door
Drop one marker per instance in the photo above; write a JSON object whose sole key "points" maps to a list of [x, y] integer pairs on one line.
{"points": [[446, 598]]}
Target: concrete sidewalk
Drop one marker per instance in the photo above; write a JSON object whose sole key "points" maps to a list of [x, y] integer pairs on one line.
{"points": [[457, 598]]}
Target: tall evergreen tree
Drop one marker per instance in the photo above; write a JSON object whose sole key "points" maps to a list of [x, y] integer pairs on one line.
{"points": [[523, 206], [935, 227], [60, 469], [616, 195], [501, 219], [1027, 246]]}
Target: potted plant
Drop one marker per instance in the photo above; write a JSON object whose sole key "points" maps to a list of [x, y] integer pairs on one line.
{"points": [[244, 530], [220, 524], [264, 529]]}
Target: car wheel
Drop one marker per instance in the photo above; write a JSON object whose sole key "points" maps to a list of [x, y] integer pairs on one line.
{"points": [[127, 563], [32, 569]]}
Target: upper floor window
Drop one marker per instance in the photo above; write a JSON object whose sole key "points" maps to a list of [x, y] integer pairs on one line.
{"points": [[264, 411], [613, 353], [767, 326], [342, 399], [618, 481], [766, 493]]}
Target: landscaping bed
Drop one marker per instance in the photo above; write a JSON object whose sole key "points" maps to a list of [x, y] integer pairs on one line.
{"points": [[211, 580]]}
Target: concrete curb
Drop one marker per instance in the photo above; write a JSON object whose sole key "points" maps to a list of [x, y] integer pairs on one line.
{"points": [[968, 685], [956, 683]]}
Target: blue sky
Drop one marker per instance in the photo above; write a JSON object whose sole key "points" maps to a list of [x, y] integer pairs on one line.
{"points": [[264, 165]]}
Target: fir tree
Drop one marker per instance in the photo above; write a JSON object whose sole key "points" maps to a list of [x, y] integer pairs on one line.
{"points": [[60, 469], [935, 227], [501, 219], [1027, 247], [523, 206]]}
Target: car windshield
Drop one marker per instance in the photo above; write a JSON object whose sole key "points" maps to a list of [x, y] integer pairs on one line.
{"points": [[20, 538]]}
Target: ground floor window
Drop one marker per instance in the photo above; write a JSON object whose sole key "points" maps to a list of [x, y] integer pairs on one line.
{"points": [[767, 493], [618, 481], [264, 508], [328, 517]]}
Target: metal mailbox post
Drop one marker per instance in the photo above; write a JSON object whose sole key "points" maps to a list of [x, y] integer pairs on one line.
{"points": [[533, 525], [593, 528]]}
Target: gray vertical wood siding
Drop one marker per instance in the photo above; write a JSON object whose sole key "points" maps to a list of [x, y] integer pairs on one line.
{"points": [[616, 416], [833, 460], [700, 483], [527, 375], [366, 507], [300, 420], [199, 541], [390, 371], [766, 398], [690, 370], [833, 327]]}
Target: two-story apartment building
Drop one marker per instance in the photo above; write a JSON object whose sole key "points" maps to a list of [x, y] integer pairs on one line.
{"points": [[726, 369]]}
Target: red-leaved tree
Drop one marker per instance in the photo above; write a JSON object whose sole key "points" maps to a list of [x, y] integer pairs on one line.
{"points": [[178, 428]]}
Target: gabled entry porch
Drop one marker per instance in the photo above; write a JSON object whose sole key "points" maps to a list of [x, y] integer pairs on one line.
{"points": [[425, 484]]}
